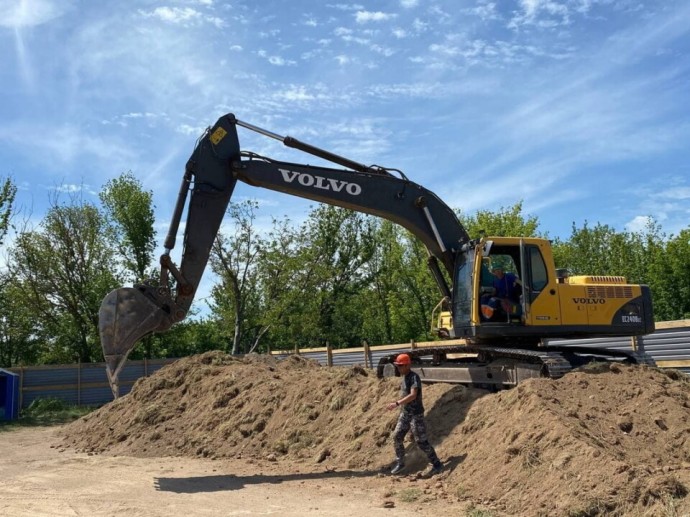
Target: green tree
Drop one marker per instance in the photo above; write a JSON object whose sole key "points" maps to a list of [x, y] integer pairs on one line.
{"points": [[65, 268], [20, 339], [233, 258], [189, 337], [417, 293], [506, 222], [601, 250], [644, 257], [8, 192], [284, 280], [129, 210], [669, 277], [378, 302], [678, 252], [340, 244]]}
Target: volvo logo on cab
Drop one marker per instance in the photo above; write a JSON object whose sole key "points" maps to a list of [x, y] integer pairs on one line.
{"points": [[590, 301], [320, 182]]}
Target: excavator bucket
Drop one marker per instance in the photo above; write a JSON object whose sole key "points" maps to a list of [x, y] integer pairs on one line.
{"points": [[125, 316]]}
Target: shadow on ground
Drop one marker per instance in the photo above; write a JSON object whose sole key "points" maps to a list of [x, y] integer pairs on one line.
{"points": [[221, 483], [218, 483]]}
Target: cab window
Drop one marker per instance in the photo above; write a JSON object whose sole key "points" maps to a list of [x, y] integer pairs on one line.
{"points": [[539, 277]]}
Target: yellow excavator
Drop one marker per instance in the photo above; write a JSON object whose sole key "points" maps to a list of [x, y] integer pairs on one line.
{"points": [[504, 326]]}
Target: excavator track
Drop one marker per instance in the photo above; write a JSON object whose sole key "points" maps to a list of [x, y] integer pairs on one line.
{"points": [[503, 367]]}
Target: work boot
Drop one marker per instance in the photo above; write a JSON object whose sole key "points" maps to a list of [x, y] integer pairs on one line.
{"points": [[398, 468], [436, 468]]}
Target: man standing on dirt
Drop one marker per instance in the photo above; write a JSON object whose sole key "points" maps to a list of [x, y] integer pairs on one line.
{"points": [[411, 417]]}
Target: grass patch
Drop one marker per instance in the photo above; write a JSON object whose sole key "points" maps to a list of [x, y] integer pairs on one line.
{"points": [[46, 412], [410, 495], [478, 512], [591, 508]]}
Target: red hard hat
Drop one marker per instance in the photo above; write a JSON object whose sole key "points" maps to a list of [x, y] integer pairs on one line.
{"points": [[403, 359]]}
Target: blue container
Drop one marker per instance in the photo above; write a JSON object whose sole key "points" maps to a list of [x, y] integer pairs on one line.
{"points": [[9, 395]]}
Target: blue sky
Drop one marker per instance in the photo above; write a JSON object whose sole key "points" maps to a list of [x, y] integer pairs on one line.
{"points": [[577, 107]]}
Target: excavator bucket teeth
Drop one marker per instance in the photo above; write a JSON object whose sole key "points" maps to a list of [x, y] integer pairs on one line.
{"points": [[125, 316]]}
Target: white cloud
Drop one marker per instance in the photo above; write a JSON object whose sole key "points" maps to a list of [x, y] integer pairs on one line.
{"points": [[69, 145], [186, 129], [185, 16], [278, 61], [275, 60], [384, 51], [369, 16], [23, 14], [485, 11], [71, 188], [346, 7], [295, 93], [419, 25], [638, 224], [139, 115], [173, 14], [541, 13], [606, 97], [675, 193]]}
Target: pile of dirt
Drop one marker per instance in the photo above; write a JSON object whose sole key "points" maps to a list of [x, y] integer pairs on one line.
{"points": [[600, 441]]}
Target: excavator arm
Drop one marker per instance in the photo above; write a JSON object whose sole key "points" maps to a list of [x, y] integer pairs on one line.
{"points": [[211, 173]]}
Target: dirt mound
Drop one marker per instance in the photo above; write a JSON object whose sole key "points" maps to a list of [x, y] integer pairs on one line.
{"points": [[606, 441], [214, 405], [613, 440]]}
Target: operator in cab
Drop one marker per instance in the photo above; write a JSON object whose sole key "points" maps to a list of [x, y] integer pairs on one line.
{"points": [[505, 297]]}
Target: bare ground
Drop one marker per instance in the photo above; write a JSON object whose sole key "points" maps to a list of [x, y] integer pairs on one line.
{"points": [[42, 479], [212, 435]]}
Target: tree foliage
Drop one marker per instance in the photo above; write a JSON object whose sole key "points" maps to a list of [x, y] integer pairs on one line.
{"points": [[233, 258], [506, 222], [669, 277], [65, 268], [129, 210], [339, 244], [8, 191], [20, 333], [339, 277]]}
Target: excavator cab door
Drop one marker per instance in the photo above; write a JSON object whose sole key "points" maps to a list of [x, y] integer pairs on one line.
{"points": [[525, 296], [540, 299]]}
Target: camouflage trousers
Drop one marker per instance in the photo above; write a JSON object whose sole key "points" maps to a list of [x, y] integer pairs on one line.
{"points": [[407, 421]]}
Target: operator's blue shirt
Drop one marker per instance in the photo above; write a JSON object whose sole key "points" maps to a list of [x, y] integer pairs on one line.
{"points": [[505, 287]]}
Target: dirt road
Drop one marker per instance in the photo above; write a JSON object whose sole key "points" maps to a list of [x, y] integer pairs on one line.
{"points": [[41, 478]]}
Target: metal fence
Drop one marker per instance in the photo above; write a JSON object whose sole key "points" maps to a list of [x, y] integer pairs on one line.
{"points": [[81, 384], [87, 384]]}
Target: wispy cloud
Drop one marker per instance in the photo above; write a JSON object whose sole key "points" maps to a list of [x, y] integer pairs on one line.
{"points": [[275, 59], [541, 13], [373, 16], [185, 16], [21, 14], [536, 94]]}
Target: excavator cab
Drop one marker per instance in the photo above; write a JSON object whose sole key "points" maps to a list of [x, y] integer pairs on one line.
{"points": [[538, 300]]}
